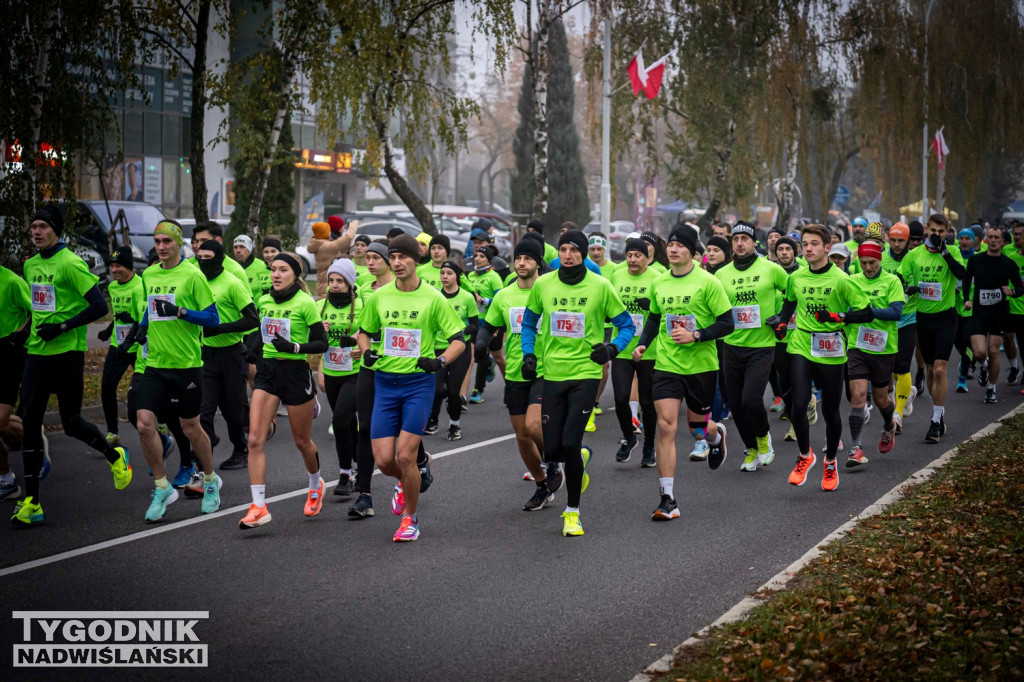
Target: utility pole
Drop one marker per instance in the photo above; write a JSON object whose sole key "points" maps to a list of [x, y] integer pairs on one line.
{"points": [[924, 150], [606, 125]]}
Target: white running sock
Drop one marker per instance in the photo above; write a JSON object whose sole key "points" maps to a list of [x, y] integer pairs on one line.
{"points": [[346, 472], [573, 509], [634, 407], [991, 386], [314, 481], [1015, 363], [453, 422], [718, 438], [666, 486], [937, 412], [259, 495]]}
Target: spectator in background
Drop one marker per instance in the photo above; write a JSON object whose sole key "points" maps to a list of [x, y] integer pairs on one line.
{"points": [[325, 250], [424, 241], [479, 236], [839, 255], [722, 229]]}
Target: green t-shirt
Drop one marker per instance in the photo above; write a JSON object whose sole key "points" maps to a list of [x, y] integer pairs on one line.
{"points": [[878, 337], [1016, 304], [464, 305], [172, 342], [257, 274], [338, 361], [608, 269], [695, 301], [910, 309], [231, 298], [429, 274], [486, 284], [832, 290], [574, 315], [58, 285], [130, 298], [506, 311], [853, 264], [361, 271], [550, 254], [15, 294], [930, 272], [630, 290], [291, 319], [658, 268], [756, 294], [409, 322]]}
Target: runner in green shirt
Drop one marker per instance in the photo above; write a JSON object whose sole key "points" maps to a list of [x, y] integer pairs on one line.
{"points": [[756, 288], [450, 377], [64, 299], [785, 256], [820, 295], [486, 283], [409, 314], [598, 251], [906, 344], [573, 304], [633, 282], [873, 350], [522, 396], [257, 272], [689, 311], [932, 272], [207, 231], [14, 315], [537, 227]]}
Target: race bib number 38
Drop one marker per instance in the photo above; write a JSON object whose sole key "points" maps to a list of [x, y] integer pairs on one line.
{"points": [[568, 325], [402, 343], [827, 345], [271, 326], [44, 298]]}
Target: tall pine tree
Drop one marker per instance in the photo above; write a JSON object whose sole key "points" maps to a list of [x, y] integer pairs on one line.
{"points": [[522, 148], [567, 187]]}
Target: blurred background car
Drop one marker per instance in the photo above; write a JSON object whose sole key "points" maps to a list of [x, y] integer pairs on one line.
{"points": [[617, 232], [92, 220]]}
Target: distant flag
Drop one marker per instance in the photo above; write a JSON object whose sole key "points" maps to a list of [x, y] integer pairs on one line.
{"points": [[941, 150], [647, 78]]}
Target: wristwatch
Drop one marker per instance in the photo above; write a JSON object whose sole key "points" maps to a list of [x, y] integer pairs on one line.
{"points": [[696, 336], [444, 360]]}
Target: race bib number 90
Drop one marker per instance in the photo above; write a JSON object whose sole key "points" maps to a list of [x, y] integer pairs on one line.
{"points": [[568, 325], [402, 343], [271, 326], [44, 298], [931, 291], [827, 345]]}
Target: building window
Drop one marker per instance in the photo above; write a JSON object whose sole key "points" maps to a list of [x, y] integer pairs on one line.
{"points": [[132, 132], [172, 128], [153, 133]]}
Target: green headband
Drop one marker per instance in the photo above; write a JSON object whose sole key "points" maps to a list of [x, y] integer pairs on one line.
{"points": [[169, 228]]}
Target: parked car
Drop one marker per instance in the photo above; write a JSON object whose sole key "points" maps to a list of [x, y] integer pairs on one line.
{"points": [[92, 219], [617, 232]]}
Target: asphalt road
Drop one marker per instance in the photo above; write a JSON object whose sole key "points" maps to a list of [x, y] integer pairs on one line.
{"points": [[487, 591]]}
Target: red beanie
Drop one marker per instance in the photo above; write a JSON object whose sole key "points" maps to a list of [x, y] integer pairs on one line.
{"points": [[336, 222], [869, 250]]}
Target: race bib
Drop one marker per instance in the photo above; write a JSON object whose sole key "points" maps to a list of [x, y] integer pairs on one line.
{"points": [[931, 291], [121, 333], [827, 345], [791, 325], [144, 350], [747, 317], [338, 359], [568, 325], [638, 323], [269, 326], [44, 298], [515, 320], [402, 343], [872, 340], [687, 322], [151, 303], [990, 296]]}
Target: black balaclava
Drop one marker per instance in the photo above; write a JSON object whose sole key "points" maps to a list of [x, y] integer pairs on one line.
{"points": [[214, 266]]}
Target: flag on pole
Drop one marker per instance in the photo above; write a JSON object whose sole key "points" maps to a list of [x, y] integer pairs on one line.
{"points": [[941, 150], [647, 78]]}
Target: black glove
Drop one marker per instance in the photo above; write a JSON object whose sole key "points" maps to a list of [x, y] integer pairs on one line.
{"points": [[773, 321], [781, 329], [283, 345], [644, 303], [346, 341], [934, 242], [124, 317], [828, 316], [370, 357], [603, 352], [105, 333], [48, 332], [165, 308], [910, 291], [529, 370], [429, 364]]}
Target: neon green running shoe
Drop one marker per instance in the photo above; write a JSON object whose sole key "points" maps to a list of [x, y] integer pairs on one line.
{"points": [[749, 460], [812, 411], [591, 424], [597, 409], [586, 452], [121, 470], [27, 513], [571, 524], [765, 450]]}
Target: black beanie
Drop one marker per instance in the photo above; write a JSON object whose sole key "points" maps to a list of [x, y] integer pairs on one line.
{"points": [[405, 245], [916, 228], [688, 238], [530, 248], [272, 242], [722, 243], [787, 240], [577, 239], [454, 267], [637, 244], [488, 251], [51, 215], [443, 240]]}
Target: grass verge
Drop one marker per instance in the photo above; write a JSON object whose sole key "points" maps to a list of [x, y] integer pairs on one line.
{"points": [[932, 588]]}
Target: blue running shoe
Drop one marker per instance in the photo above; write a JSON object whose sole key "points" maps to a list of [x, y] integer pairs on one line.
{"points": [[490, 371], [961, 384], [211, 495], [169, 445], [158, 506], [477, 397], [44, 470], [183, 477]]}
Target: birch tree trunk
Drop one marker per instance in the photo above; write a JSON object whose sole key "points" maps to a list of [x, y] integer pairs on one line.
{"points": [[784, 196], [541, 67], [197, 119], [30, 148]]}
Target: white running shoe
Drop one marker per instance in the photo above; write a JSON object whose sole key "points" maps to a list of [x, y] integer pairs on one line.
{"points": [[909, 409], [700, 451]]}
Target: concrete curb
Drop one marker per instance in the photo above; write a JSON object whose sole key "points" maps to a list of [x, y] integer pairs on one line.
{"points": [[782, 578]]}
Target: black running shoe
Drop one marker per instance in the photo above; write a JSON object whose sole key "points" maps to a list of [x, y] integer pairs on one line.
{"points": [[454, 432], [626, 448], [431, 427], [983, 375], [555, 477], [1014, 376], [666, 511], [541, 496], [237, 460], [990, 396], [718, 453], [362, 508], [426, 478], [934, 433], [345, 486], [649, 460]]}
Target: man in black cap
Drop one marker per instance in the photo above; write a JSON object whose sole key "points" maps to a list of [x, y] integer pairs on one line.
{"points": [[358, 253], [440, 249]]}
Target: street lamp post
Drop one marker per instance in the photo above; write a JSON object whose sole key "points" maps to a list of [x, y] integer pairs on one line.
{"points": [[606, 124], [924, 150]]}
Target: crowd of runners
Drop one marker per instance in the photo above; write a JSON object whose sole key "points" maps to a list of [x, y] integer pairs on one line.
{"points": [[737, 327]]}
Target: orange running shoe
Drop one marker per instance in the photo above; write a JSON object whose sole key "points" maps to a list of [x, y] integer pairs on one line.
{"points": [[255, 517], [408, 531], [803, 465], [830, 477], [314, 501]]}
